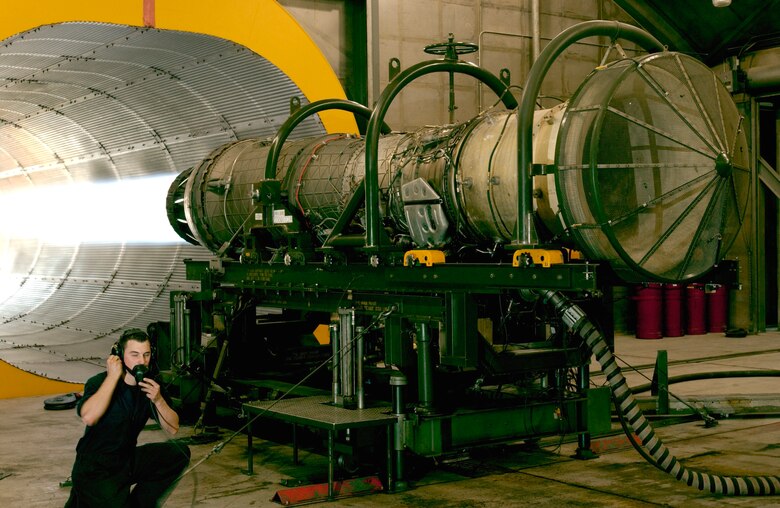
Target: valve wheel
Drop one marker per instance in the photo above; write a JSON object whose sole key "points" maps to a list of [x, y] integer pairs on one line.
{"points": [[451, 49]]}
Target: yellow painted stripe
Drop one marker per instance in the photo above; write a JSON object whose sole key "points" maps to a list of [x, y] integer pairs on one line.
{"points": [[266, 28], [15, 382]]}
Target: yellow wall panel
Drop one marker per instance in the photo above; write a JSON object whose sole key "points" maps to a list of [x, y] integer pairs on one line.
{"points": [[267, 29], [19, 15], [18, 383]]}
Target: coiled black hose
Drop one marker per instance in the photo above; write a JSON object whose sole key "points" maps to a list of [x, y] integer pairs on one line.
{"points": [[578, 323]]}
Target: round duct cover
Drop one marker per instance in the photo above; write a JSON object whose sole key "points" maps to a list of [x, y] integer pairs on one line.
{"points": [[653, 173]]}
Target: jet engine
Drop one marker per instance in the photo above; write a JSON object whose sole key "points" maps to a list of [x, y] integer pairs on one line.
{"points": [[646, 168], [437, 260]]}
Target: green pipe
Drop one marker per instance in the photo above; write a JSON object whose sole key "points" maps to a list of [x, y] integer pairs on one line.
{"points": [[424, 368], [345, 241], [525, 233], [306, 111], [371, 180], [396, 461]]}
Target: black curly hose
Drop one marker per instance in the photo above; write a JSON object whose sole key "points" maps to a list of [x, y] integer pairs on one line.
{"points": [[659, 455]]}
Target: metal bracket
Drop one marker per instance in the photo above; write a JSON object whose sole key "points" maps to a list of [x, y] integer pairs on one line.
{"points": [[394, 67]]}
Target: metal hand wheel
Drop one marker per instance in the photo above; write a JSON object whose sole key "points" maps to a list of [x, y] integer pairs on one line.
{"points": [[451, 49]]}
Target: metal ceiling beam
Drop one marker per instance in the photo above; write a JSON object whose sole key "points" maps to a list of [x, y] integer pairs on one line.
{"points": [[655, 21], [719, 52], [356, 14]]}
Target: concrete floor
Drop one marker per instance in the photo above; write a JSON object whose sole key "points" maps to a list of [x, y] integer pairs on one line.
{"points": [[38, 449]]}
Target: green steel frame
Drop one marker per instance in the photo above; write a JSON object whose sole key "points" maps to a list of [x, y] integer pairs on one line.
{"points": [[428, 306]]}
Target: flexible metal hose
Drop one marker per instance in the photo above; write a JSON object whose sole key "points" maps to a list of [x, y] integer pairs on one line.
{"points": [[578, 323]]}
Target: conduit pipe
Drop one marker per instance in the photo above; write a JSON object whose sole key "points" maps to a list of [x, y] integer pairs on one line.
{"points": [[373, 129], [763, 77], [656, 452], [536, 30], [303, 113]]}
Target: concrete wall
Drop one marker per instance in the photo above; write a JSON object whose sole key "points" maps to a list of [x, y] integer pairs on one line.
{"points": [[502, 28]]}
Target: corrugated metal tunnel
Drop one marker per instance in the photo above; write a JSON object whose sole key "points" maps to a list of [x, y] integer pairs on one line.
{"points": [[96, 120]]}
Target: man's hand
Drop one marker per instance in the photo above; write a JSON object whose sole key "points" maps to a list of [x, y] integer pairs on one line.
{"points": [[168, 419], [151, 389], [114, 367]]}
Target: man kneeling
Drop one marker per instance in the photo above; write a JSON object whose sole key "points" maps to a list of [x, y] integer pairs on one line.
{"points": [[115, 408]]}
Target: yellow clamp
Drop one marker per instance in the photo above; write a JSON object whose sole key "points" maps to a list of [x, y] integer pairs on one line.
{"points": [[543, 257], [423, 257], [574, 255]]}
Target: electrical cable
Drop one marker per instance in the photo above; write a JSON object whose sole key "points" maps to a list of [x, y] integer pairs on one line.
{"points": [[157, 416], [708, 420], [498, 221], [657, 453], [699, 376], [630, 435]]}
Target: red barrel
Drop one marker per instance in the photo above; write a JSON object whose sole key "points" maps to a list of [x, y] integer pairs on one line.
{"points": [[717, 308], [649, 311], [674, 317], [695, 305]]}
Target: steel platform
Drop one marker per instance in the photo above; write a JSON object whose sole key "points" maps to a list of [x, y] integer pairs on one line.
{"points": [[318, 412]]}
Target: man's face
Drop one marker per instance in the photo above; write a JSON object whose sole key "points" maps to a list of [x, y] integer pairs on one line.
{"points": [[137, 353]]}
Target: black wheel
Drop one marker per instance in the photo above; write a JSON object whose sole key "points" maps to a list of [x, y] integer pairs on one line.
{"points": [[67, 401]]}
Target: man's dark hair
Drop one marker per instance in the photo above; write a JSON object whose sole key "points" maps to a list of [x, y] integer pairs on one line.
{"points": [[135, 334]]}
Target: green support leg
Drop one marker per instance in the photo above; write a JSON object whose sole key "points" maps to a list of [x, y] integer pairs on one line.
{"points": [[660, 384], [424, 370], [583, 438]]}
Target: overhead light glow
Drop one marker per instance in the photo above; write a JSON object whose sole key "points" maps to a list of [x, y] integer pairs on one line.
{"points": [[130, 211]]}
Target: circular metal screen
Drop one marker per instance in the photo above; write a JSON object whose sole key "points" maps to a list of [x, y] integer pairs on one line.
{"points": [[653, 173]]}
